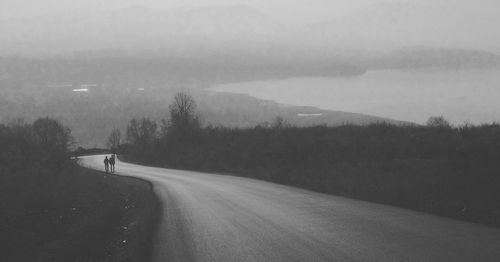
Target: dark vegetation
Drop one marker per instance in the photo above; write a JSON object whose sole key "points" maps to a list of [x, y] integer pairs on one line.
{"points": [[437, 168], [81, 151], [53, 210]]}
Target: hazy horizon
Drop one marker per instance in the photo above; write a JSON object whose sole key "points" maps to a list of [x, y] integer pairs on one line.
{"points": [[313, 11], [146, 50], [46, 26]]}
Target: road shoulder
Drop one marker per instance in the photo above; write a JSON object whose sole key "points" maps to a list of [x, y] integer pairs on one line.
{"points": [[86, 216]]}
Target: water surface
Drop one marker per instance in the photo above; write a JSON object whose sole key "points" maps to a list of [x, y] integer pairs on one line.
{"points": [[460, 96]]}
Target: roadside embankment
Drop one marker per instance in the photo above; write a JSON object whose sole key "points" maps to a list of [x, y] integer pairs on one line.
{"points": [[76, 214]]}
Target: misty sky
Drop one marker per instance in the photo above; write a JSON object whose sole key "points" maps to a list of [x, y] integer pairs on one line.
{"points": [[374, 23], [292, 11], [288, 10]]}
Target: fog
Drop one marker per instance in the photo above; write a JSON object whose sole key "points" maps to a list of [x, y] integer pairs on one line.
{"points": [[294, 11], [55, 27], [76, 59]]}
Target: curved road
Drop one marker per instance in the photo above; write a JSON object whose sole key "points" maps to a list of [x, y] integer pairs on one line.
{"points": [[208, 217]]}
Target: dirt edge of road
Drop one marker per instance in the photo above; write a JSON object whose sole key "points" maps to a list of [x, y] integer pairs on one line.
{"points": [[89, 216], [142, 219]]}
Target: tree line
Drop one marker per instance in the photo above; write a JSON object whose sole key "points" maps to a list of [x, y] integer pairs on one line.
{"points": [[53, 210], [438, 168], [44, 142]]}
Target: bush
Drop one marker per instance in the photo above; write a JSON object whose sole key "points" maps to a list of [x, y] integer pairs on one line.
{"points": [[448, 171], [46, 141], [437, 168]]}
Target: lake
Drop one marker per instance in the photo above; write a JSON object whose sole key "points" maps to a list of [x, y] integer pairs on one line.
{"points": [[460, 96]]}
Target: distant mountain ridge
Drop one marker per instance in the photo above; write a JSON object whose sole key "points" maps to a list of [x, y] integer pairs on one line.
{"points": [[435, 58], [240, 28], [397, 24]]}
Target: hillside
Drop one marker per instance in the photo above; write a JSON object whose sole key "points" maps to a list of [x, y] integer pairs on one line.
{"points": [[95, 113]]}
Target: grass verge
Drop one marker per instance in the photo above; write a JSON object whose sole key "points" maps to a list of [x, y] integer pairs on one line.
{"points": [[77, 215]]}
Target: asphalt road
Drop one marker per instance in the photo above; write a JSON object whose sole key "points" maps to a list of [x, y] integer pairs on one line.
{"points": [[208, 217]]}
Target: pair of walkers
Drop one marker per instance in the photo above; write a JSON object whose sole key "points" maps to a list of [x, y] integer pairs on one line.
{"points": [[109, 164]]}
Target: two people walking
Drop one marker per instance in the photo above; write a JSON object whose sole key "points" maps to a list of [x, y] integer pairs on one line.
{"points": [[109, 164]]}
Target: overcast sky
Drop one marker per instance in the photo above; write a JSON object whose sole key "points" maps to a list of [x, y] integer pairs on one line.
{"points": [[296, 11], [461, 23]]}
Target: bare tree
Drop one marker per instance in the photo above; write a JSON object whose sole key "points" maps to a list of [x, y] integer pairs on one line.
{"points": [[183, 112], [52, 135], [52, 138], [142, 132], [438, 121], [114, 139], [279, 123], [133, 131], [148, 131]]}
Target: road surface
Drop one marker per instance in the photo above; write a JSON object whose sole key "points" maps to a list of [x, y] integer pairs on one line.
{"points": [[208, 217]]}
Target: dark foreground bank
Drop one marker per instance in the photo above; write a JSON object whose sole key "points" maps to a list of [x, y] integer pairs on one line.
{"points": [[81, 215], [53, 210]]}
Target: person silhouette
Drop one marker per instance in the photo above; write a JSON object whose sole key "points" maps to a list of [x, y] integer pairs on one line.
{"points": [[112, 163], [106, 164]]}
